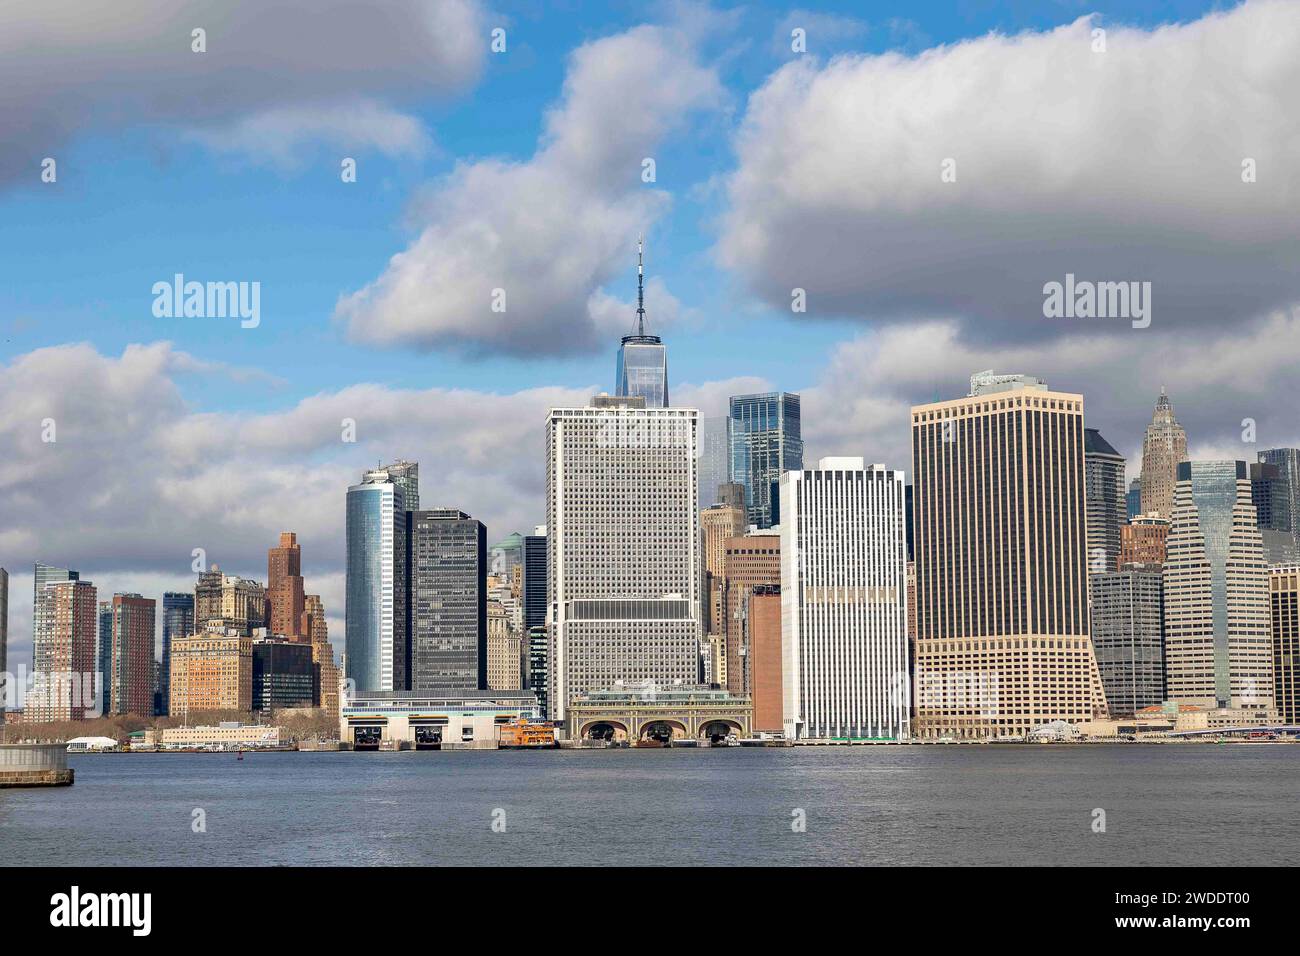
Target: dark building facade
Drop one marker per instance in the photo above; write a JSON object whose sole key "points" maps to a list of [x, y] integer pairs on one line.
{"points": [[535, 579], [1128, 636], [1104, 494], [447, 590], [765, 434], [177, 622], [284, 675]]}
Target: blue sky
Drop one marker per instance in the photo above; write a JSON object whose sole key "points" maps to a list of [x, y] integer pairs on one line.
{"points": [[141, 203], [775, 170]]}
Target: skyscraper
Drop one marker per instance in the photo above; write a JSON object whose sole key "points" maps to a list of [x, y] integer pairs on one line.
{"points": [[844, 602], [1164, 446], [1217, 648], [642, 368], [376, 608], [718, 524], [212, 669], [715, 459], [1287, 461], [65, 651], [322, 653], [1128, 636], [766, 440], [4, 643], [1270, 492], [1133, 498], [178, 622], [284, 590], [535, 578], [1001, 560], [448, 598], [749, 561], [230, 599], [1104, 490], [1284, 607], [624, 547], [104, 658], [132, 654]]}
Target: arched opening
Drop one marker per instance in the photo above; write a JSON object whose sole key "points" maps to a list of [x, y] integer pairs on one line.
{"points": [[719, 731], [610, 731], [659, 733]]}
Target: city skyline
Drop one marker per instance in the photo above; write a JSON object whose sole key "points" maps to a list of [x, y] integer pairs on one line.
{"points": [[180, 390]]}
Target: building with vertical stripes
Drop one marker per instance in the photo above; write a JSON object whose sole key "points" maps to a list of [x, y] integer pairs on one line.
{"points": [[1284, 609], [843, 602], [1128, 636], [1000, 542], [1103, 469], [1163, 447], [623, 535], [1217, 648]]}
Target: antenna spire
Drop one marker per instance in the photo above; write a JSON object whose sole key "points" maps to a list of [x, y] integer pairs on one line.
{"points": [[640, 288]]}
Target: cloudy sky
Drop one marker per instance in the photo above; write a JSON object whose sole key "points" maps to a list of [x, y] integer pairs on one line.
{"points": [[920, 173]]}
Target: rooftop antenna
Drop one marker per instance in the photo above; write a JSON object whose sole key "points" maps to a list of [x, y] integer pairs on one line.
{"points": [[640, 288]]}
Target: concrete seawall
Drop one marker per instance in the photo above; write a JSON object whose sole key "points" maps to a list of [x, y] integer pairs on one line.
{"points": [[34, 765]]}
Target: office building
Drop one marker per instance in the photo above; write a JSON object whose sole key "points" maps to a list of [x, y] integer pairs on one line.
{"points": [[1103, 470], [718, 524], [376, 605], [843, 602], [1164, 446], [715, 459], [766, 439], [1217, 648], [1271, 494], [505, 651], [211, 670], [642, 368], [1128, 637], [65, 651], [761, 606], [4, 643], [235, 601], [1143, 540], [131, 660], [448, 600], [1287, 461], [284, 588], [506, 555], [178, 621], [534, 580], [322, 654], [284, 674], [1284, 610], [538, 666], [624, 547], [730, 494], [749, 561], [1133, 499], [1001, 562]]}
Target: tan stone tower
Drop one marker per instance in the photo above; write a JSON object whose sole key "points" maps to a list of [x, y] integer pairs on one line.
{"points": [[1001, 566], [1163, 448]]}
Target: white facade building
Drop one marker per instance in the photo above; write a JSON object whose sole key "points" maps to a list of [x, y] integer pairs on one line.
{"points": [[623, 574], [844, 662]]}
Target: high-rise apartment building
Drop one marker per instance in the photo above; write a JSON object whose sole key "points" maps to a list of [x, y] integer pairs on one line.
{"points": [[1103, 469], [132, 659], [1284, 609], [376, 604], [178, 621], [1164, 446], [844, 602], [749, 561], [624, 547], [766, 438], [1143, 540], [104, 658], [66, 679], [212, 670], [322, 653], [284, 589], [448, 601], [642, 368], [1001, 561], [1217, 647], [1128, 636], [235, 601]]}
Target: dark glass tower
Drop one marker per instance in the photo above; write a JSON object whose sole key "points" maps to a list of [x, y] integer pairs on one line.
{"points": [[766, 440], [448, 595], [642, 359], [178, 621]]}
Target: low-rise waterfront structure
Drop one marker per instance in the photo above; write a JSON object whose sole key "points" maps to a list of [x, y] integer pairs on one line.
{"points": [[641, 711], [470, 719]]}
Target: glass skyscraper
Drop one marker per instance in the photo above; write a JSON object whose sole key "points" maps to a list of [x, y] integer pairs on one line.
{"points": [[642, 367], [376, 610], [178, 622], [765, 438]]}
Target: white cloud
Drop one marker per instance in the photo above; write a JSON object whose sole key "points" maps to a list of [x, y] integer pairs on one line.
{"points": [[1117, 165], [550, 231], [294, 71]]}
